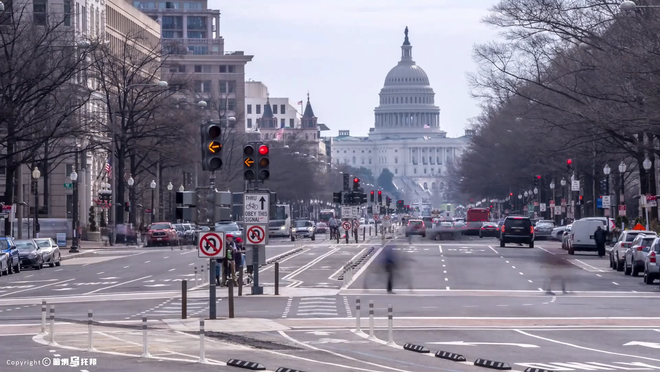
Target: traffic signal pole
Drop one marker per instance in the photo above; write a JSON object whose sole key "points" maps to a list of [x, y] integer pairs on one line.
{"points": [[212, 289]]}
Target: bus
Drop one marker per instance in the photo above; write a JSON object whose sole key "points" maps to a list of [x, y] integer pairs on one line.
{"points": [[475, 218], [280, 221], [326, 214]]}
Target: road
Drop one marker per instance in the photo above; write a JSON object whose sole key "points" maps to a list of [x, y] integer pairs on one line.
{"points": [[468, 297]]}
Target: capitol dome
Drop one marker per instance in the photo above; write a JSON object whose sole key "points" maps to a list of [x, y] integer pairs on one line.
{"points": [[407, 100]]}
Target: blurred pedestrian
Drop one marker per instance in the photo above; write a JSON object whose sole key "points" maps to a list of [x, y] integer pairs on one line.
{"points": [[239, 256], [556, 267], [600, 236], [390, 263]]}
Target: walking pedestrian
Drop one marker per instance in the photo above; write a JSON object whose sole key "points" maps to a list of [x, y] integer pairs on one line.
{"points": [[238, 256], [600, 236], [230, 247], [390, 262], [555, 267]]}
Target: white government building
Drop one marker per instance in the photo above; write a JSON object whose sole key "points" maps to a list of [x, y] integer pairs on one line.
{"points": [[407, 138]]}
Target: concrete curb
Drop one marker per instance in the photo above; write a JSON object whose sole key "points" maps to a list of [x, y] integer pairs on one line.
{"points": [[253, 366], [492, 364], [76, 255]]}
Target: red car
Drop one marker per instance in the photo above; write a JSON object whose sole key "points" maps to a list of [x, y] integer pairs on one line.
{"points": [[416, 227], [162, 233]]}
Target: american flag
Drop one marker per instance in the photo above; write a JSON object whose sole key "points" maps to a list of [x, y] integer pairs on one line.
{"points": [[108, 167], [300, 102], [426, 126]]}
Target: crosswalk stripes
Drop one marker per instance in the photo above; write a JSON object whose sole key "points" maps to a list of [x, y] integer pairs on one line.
{"points": [[172, 307], [317, 306]]}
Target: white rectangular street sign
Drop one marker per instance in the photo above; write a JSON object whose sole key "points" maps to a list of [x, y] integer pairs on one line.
{"points": [[542, 207], [256, 208], [346, 212], [355, 211], [606, 202], [575, 186], [558, 211]]}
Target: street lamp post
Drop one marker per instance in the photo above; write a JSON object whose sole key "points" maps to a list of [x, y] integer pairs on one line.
{"points": [[622, 171], [35, 179], [153, 189], [563, 195], [169, 188], [131, 213], [552, 211], [647, 167], [520, 202], [74, 219], [606, 171]]}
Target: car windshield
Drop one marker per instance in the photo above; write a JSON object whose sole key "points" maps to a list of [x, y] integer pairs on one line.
{"points": [[43, 243], [24, 246], [227, 227], [646, 242], [303, 224], [3, 244], [160, 226], [416, 223], [544, 225]]}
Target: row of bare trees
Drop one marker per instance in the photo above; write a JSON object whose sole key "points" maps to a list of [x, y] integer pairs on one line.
{"points": [[568, 79]]}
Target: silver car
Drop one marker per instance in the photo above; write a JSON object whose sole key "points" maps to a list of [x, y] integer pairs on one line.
{"points": [[618, 252], [651, 265], [565, 236], [4, 263], [50, 251], [543, 230], [636, 255]]}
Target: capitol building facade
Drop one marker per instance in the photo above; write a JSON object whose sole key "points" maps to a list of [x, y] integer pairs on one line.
{"points": [[406, 138]]}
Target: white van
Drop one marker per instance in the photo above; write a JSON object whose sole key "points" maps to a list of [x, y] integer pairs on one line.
{"points": [[582, 236]]}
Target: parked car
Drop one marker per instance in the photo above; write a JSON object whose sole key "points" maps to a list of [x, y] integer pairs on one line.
{"points": [[303, 229], [321, 227], [543, 230], [30, 254], [618, 252], [8, 246], [4, 264], [162, 233], [636, 254], [489, 229], [565, 236], [517, 230], [558, 232], [651, 265], [582, 236], [50, 251], [416, 227]]}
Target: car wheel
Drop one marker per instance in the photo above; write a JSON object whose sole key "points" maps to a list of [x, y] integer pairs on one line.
{"points": [[627, 270], [648, 279], [619, 265], [38, 267], [634, 271], [17, 268], [59, 260]]}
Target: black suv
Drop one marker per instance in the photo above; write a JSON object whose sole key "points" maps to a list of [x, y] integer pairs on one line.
{"points": [[517, 230]]}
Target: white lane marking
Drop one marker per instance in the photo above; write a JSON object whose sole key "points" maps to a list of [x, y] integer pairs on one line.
{"points": [[493, 249], [33, 288], [541, 290], [166, 257], [440, 247], [444, 271], [446, 279], [447, 288], [521, 273], [147, 262], [309, 265], [513, 267], [171, 269], [583, 347], [591, 267], [506, 261], [547, 251], [615, 283], [529, 280], [100, 273], [34, 281], [126, 267], [116, 285], [598, 275]]}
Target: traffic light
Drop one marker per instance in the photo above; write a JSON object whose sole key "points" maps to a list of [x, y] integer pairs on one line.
{"points": [[604, 186], [211, 147], [127, 206], [537, 179], [371, 198], [249, 164], [388, 201], [363, 198], [264, 162], [356, 184], [399, 206], [347, 186], [380, 197], [336, 197], [569, 165]]}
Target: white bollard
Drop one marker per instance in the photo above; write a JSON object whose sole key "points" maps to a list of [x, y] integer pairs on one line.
{"points": [[145, 346], [90, 331], [195, 276], [52, 326], [390, 326], [358, 322], [202, 275], [371, 320], [43, 317], [202, 337]]}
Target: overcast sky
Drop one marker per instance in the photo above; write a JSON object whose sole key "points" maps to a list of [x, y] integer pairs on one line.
{"points": [[341, 50]]}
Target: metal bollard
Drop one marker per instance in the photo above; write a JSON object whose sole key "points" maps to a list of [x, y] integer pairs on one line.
{"points": [[202, 339], [202, 274], [145, 346], [184, 299], [43, 317], [364, 234], [358, 321], [240, 282], [277, 278], [390, 326], [230, 294], [52, 326], [371, 320], [90, 331], [195, 276]]}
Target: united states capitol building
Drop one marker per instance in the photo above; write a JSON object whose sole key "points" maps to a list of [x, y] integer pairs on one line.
{"points": [[406, 138]]}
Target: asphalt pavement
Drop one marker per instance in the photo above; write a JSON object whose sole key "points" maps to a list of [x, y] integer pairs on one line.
{"points": [[466, 296]]}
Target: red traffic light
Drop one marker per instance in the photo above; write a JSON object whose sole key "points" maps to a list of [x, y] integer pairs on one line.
{"points": [[356, 180], [372, 193], [538, 176], [510, 194], [263, 150], [569, 161], [379, 192]]}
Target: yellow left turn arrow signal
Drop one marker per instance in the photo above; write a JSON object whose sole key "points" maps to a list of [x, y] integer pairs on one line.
{"points": [[214, 147]]}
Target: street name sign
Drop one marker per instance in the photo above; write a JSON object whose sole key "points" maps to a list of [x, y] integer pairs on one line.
{"points": [[256, 234], [211, 245], [256, 208]]}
